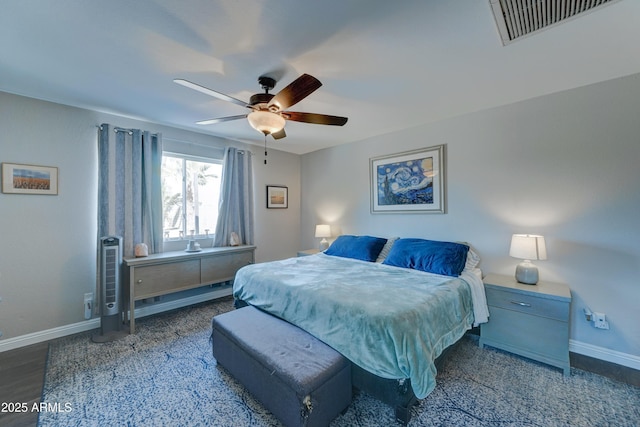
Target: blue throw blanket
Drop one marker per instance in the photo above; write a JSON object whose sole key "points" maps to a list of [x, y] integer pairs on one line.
{"points": [[393, 322]]}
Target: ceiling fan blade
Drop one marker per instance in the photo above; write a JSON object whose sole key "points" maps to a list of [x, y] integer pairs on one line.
{"points": [[279, 135], [210, 92], [318, 119], [297, 90], [221, 119]]}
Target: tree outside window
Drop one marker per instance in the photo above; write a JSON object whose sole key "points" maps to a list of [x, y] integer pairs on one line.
{"points": [[190, 195]]}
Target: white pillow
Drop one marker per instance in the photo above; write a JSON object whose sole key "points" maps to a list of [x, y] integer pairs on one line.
{"points": [[386, 249], [473, 259]]}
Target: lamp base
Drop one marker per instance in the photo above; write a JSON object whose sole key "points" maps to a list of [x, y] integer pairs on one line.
{"points": [[324, 244], [527, 273]]}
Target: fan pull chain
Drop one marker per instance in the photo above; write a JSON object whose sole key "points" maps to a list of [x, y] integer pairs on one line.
{"points": [[265, 148]]}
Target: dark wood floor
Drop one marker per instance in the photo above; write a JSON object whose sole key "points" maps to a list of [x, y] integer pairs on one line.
{"points": [[22, 376], [606, 369], [21, 380]]}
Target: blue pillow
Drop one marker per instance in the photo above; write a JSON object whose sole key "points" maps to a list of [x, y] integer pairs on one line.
{"points": [[365, 248], [446, 258]]}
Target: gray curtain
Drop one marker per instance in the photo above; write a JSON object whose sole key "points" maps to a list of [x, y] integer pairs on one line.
{"points": [[129, 187], [235, 211]]}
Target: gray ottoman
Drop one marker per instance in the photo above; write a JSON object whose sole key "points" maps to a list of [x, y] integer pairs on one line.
{"points": [[298, 378]]}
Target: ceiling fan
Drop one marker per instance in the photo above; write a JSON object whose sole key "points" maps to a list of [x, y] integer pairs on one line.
{"points": [[269, 113]]}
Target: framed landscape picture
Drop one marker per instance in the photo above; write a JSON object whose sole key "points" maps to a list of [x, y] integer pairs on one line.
{"points": [[277, 197], [29, 179], [409, 182]]}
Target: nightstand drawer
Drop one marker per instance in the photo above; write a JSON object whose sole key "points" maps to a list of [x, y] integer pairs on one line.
{"points": [[538, 337], [528, 304]]}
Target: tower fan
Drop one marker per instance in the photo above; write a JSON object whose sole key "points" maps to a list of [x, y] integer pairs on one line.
{"points": [[110, 261]]}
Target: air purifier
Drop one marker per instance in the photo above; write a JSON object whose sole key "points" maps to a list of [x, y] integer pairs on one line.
{"points": [[109, 269]]}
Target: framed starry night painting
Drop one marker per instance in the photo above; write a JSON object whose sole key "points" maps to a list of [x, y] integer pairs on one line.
{"points": [[409, 182]]}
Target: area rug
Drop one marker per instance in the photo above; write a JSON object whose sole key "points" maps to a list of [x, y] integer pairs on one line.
{"points": [[165, 375]]}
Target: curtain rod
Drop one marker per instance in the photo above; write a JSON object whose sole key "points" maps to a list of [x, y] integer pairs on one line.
{"points": [[129, 131], [119, 129], [181, 141], [204, 145]]}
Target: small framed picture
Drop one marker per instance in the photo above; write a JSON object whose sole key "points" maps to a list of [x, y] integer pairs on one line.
{"points": [[29, 179], [277, 197]]}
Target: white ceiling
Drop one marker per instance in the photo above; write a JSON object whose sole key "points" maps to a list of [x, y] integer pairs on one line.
{"points": [[387, 65]]}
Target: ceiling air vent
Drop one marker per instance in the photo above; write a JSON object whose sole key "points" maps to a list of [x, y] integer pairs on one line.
{"points": [[518, 18]]}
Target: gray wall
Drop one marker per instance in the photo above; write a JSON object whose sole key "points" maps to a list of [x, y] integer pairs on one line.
{"points": [[48, 243], [565, 166]]}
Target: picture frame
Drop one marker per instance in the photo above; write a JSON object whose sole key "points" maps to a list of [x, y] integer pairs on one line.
{"points": [[29, 179], [409, 182], [277, 197]]}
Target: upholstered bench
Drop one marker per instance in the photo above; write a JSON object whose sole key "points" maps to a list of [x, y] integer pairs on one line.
{"points": [[298, 378]]}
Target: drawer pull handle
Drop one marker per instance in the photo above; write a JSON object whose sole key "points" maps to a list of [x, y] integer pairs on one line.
{"points": [[139, 280], [521, 304]]}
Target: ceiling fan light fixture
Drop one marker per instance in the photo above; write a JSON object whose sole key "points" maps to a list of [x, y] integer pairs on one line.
{"points": [[267, 115], [266, 122]]}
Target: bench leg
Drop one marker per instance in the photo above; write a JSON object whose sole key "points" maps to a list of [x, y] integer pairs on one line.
{"points": [[403, 414]]}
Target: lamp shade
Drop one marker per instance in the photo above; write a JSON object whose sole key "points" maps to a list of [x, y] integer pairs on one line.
{"points": [[266, 122], [323, 230], [528, 246]]}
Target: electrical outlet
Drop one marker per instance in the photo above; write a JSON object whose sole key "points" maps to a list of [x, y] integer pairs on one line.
{"points": [[88, 305], [600, 321]]}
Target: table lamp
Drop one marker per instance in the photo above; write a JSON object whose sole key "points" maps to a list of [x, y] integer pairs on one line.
{"points": [[324, 231], [527, 247]]}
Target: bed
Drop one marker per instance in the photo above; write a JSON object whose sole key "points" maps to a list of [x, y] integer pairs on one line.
{"points": [[391, 306]]}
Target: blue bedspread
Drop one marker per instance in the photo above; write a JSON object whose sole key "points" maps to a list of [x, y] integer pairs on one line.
{"points": [[393, 322]]}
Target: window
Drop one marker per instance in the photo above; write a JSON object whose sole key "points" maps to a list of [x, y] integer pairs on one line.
{"points": [[190, 194]]}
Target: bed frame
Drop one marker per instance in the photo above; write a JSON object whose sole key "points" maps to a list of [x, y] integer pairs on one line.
{"points": [[395, 393]]}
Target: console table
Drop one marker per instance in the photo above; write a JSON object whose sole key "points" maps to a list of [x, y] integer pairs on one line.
{"points": [[168, 272]]}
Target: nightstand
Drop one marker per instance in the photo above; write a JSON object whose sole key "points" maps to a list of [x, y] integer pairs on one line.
{"points": [[528, 320], [308, 252]]}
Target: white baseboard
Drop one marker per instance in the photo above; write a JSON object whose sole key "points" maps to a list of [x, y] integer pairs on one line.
{"points": [[602, 353], [48, 334], [87, 325]]}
